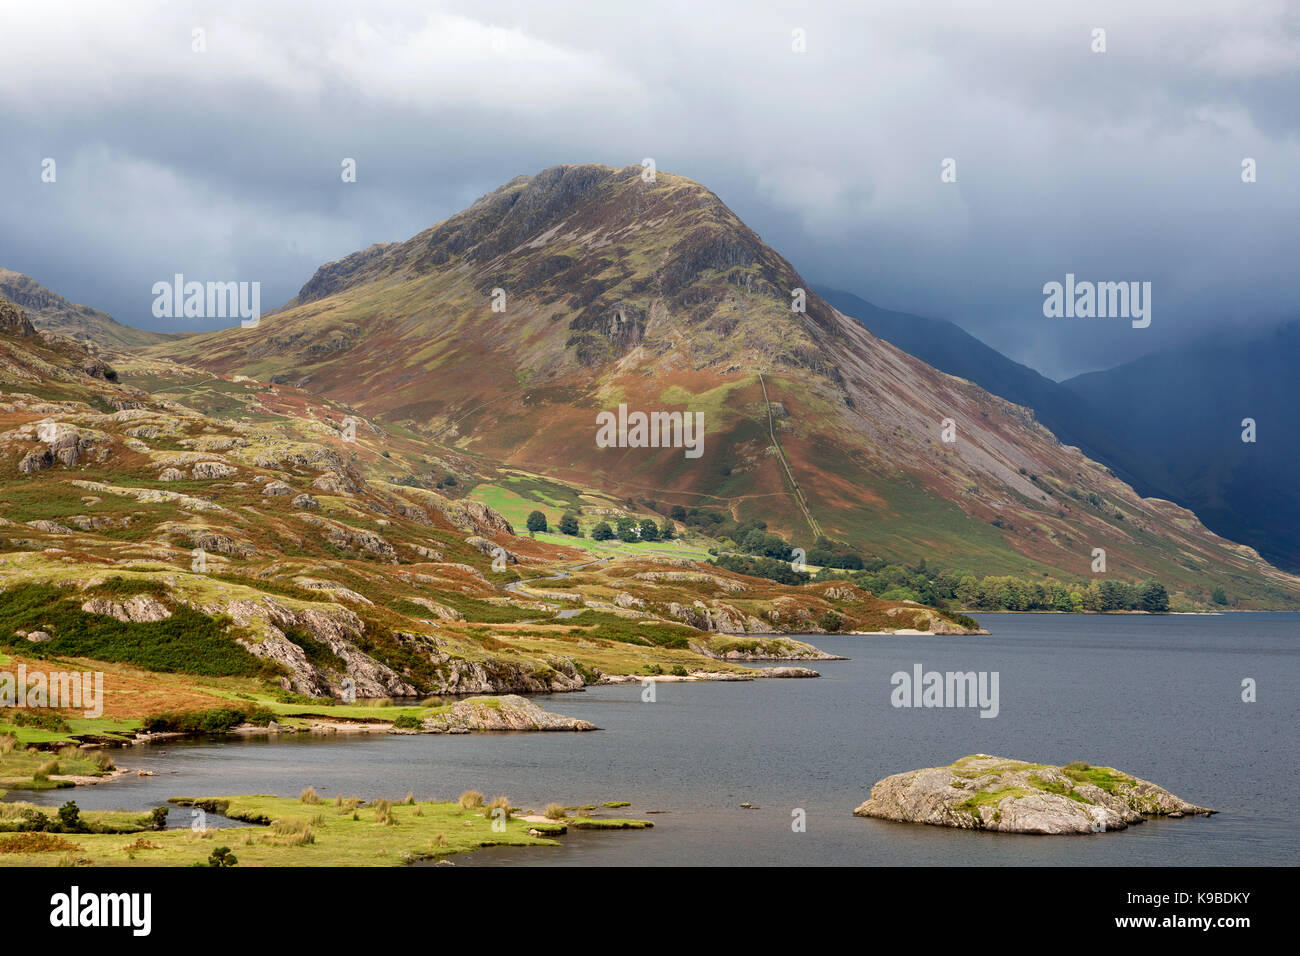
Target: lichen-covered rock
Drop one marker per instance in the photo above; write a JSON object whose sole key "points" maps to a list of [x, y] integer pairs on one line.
{"points": [[138, 609], [332, 483], [509, 712], [305, 502], [213, 469], [50, 527], [277, 489], [491, 548], [476, 518], [352, 539], [171, 474], [440, 611], [982, 792]]}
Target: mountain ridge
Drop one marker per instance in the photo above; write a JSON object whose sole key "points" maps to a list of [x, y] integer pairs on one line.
{"points": [[54, 314]]}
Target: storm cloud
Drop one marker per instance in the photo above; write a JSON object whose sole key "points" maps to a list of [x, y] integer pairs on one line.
{"points": [[1121, 166]]}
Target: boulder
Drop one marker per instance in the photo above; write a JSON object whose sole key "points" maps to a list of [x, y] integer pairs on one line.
{"points": [[213, 469]]}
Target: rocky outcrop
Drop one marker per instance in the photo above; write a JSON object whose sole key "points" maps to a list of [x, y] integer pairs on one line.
{"points": [[510, 712], [49, 527], [353, 539], [697, 577], [138, 609], [476, 518], [338, 628], [332, 483], [718, 617], [491, 548], [981, 792], [213, 469]]}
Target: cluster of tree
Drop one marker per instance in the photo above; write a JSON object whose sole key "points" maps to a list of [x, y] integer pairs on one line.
{"points": [[780, 571], [942, 588], [630, 529]]}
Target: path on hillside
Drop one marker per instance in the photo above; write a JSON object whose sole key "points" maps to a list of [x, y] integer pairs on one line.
{"points": [[785, 463], [560, 611]]}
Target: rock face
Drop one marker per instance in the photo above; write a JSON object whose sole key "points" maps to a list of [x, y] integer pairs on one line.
{"points": [[981, 792], [510, 712]]}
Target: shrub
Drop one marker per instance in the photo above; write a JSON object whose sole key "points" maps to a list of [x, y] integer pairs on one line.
{"points": [[36, 843], [554, 811], [408, 721], [293, 832], [40, 719], [219, 720], [222, 856], [308, 796], [830, 621], [499, 802]]}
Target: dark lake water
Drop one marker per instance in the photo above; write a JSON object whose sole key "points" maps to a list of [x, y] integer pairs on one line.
{"points": [[1159, 697]]}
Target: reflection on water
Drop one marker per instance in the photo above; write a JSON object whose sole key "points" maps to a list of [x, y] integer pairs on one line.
{"points": [[1158, 697]]}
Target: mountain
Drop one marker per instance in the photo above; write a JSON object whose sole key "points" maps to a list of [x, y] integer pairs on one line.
{"points": [[612, 291], [52, 313], [1169, 424], [1179, 415]]}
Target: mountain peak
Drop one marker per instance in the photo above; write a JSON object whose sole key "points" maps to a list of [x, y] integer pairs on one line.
{"points": [[617, 255]]}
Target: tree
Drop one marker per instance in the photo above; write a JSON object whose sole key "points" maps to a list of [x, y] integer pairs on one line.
{"points": [[666, 530], [569, 525], [677, 513], [1219, 597], [1155, 598], [536, 521], [602, 531], [70, 817], [649, 530], [222, 856], [627, 530]]}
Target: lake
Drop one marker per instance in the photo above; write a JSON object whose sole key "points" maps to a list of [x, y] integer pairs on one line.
{"points": [[1159, 697]]}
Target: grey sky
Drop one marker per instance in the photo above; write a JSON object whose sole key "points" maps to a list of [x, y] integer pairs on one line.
{"points": [[1123, 165]]}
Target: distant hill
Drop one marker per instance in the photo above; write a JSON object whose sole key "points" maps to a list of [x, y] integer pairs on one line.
{"points": [[1168, 424], [1179, 415], [51, 312]]}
